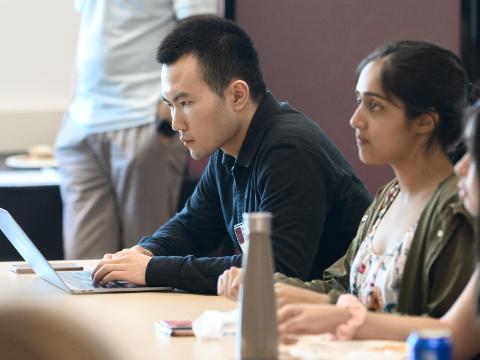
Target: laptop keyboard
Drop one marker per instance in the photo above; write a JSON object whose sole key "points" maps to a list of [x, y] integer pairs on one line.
{"points": [[83, 280]]}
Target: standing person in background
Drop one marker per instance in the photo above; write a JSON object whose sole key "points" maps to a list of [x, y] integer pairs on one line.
{"points": [[120, 176]]}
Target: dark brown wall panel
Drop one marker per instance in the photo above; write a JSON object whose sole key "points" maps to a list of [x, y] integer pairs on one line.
{"points": [[309, 50]]}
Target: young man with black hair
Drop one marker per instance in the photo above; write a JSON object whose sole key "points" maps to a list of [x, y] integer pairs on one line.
{"points": [[264, 156]]}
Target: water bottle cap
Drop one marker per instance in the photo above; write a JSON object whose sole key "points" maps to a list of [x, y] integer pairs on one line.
{"points": [[259, 222]]}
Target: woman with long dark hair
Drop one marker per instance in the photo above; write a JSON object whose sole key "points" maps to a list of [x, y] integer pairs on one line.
{"points": [[461, 319], [412, 251]]}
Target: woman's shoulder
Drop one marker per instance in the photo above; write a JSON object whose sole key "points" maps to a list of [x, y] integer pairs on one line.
{"points": [[446, 196], [449, 185], [446, 206]]}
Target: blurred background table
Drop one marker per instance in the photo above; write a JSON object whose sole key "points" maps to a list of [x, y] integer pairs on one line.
{"points": [[33, 199]]}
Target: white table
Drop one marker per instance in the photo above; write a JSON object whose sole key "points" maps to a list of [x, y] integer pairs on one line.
{"points": [[126, 320]]}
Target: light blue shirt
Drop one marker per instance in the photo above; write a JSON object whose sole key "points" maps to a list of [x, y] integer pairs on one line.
{"points": [[117, 75]]}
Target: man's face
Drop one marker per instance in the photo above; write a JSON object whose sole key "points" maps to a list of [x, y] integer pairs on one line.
{"points": [[205, 121]]}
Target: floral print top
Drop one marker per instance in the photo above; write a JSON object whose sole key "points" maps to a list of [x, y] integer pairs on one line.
{"points": [[375, 279]]}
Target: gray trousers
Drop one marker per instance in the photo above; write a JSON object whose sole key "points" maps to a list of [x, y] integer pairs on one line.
{"points": [[116, 187]]}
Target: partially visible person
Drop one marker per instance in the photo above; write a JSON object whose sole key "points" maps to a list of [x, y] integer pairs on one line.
{"points": [[264, 156], [412, 250], [38, 330], [461, 319], [121, 178]]}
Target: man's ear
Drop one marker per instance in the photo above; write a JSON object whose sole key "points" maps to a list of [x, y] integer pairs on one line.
{"points": [[238, 94], [426, 123]]}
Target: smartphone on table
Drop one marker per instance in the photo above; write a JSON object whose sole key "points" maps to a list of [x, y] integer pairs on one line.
{"points": [[174, 327], [26, 269]]}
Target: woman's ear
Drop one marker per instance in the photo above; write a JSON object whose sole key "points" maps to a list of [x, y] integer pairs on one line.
{"points": [[238, 94], [426, 123]]}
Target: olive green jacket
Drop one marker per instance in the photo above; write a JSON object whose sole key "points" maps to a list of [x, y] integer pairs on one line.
{"points": [[439, 264]]}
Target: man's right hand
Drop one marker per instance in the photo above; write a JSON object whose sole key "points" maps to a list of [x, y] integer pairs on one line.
{"points": [[126, 265], [136, 248]]}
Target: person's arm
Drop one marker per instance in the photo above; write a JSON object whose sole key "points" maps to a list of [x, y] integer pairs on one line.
{"points": [[302, 319], [197, 230], [293, 290], [337, 276], [453, 267], [460, 319], [178, 246]]}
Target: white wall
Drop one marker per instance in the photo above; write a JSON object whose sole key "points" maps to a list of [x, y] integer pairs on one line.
{"points": [[37, 40]]}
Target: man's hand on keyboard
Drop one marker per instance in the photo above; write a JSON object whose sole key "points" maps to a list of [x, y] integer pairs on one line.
{"points": [[127, 265], [136, 248]]}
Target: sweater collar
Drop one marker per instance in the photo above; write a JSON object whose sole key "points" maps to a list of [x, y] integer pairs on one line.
{"points": [[256, 132]]}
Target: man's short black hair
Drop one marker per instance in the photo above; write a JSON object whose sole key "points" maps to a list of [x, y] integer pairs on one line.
{"points": [[223, 49]]}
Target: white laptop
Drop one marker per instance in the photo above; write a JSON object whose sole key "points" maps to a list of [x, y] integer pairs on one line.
{"points": [[73, 282]]}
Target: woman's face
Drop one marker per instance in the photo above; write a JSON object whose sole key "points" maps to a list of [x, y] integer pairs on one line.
{"points": [[382, 132], [468, 186]]}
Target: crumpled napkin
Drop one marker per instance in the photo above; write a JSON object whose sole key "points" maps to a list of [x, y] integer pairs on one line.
{"points": [[213, 325]]}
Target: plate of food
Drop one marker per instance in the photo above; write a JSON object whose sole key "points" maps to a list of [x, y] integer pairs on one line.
{"points": [[321, 348], [37, 157]]}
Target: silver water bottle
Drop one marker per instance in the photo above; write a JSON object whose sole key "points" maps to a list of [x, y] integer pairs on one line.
{"points": [[257, 329]]}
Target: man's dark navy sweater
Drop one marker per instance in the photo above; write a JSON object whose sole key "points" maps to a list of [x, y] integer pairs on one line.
{"points": [[287, 166]]}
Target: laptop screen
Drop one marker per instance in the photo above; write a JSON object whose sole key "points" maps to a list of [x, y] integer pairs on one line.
{"points": [[27, 249]]}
